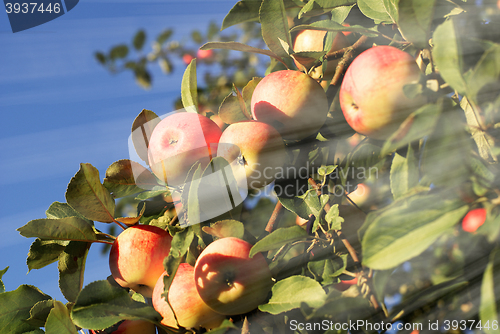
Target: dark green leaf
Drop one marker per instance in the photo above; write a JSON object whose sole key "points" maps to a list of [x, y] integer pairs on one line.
{"points": [[71, 269], [291, 292], [339, 14], [44, 252], [101, 58], [2, 272], [39, 312], [404, 173], [189, 88], [119, 51], [139, 39], [164, 36], [101, 305], [142, 77], [62, 210], [274, 25], [242, 11], [239, 47], [72, 228], [125, 177], [375, 10], [89, 197], [58, 321], [343, 309], [415, 19], [490, 292], [15, 308], [230, 110], [196, 36], [142, 127], [226, 228], [297, 206], [278, 238]]}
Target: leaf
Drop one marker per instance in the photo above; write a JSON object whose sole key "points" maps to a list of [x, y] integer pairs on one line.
{"points": [[39, 312], [193, 209], [339, 14], [447, 54], [119, 51], [189, 88], [2, 272], [142, 128], [329, 25], [482, 83], [278, 238], [291, 292], [63, 210], [88, 196], [296, 205], [139, 39], [404, 173], [142, 76], [125, 177], [490, 292], [333, 219], [71, 269], [326, 270], [58, 321], [274, 26], [407, 228], [226, 228], [44, 252], [226, 324], [247, 93], [15, 308], [415, 19], [164, 36], [391, 7], [239, 47], [100, 305], [72, 228], [375, 10], [242, 11], [230, 110]]}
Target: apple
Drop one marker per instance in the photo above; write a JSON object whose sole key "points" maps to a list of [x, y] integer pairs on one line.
{"points": [[187, 58], [205, 54], [346, 284], [360, 195], [473, 220], [292, 102], [136, 257], [132, 327], [255, 151], [228, 280], [180, 140], [191, 311], [312, 40], [371, 95]]}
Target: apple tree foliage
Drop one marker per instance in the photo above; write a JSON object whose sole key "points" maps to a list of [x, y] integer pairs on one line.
{"points": [[405, 242]]}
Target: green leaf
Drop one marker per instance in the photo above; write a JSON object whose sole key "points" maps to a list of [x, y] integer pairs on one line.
{"points": [[101, 58], [291, 292], [72, 228], [58, 321], [139, 39], [342, 309], [391, 7], [63, 210], [325, 271], [407, 228], [447, 54], [89, 197], [119, 51], [101, 305], [404, 173], [485, 73], [230, 110], [490, 292], [44, 252], [189, 88], [278, 238], [193, 209], [239, 47], [164, 36], [71, 269], [242, 11], [142, 76], [15, 308], [142, 128], [296, 205], [196, 37], [339, 14], [39, 312], [247, 93], [274, 26], [333, 219], [125, 177], [415, 19], [329, 25], [2, 272], [375, 10], [226, 324], [226, 228]]}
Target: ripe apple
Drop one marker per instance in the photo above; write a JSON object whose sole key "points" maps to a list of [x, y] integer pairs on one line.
{"points": [[186, 58], [180, 140], [255, 151], [371, 95], [473, 220], [360, 195], [136, 257], [228, 280], [190, 310], [132, 327], [312, 40], [346, 284], [292, 102], [205, 54]]}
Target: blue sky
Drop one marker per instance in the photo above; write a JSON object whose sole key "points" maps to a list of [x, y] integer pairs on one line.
{"points": [[59, 108]]}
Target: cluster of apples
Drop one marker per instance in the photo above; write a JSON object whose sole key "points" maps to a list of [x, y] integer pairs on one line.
{"points": [[224, 281]]}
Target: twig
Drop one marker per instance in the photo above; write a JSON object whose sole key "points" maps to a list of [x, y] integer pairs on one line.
{"points": [[275, 217], [118, 223]]}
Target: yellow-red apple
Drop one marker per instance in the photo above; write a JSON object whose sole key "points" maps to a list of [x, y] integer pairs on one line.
{"points": [[136, 257], [205, 54], [132, 327], [180, 140], [473, 220], [228, 280], [191, 311], [292, 102], [186, 58], [360, 195], [371, 95], [255, 151], [312, 40]]}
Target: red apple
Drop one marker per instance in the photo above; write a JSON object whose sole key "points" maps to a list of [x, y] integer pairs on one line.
{"points": [[360, 195], [205, 54], [186, 58], [312, 40], [371, 94], [255, 151], [136, 257], [292, 102], [346, 284], [228, 280], [190, 310], [178, 141], [473, 220], [134, 327]]}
